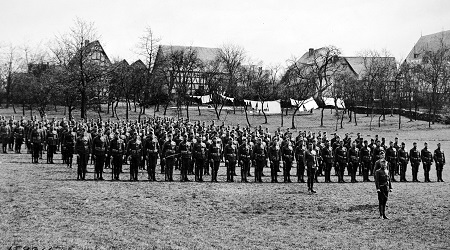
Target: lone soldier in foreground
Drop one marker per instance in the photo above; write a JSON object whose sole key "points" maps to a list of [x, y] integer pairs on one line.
{"points": [[383, 185], [414, 158], [427, 159], [403, 161], [439, 159]]}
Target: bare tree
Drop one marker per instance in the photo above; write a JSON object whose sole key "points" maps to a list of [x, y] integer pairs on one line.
{"points": [[232, 56]]}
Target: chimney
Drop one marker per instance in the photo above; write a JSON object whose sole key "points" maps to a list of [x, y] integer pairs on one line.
{"points": [[86, 42], [311, 51]]}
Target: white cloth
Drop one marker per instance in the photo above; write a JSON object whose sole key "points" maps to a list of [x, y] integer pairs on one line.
{"points": [[305, 105], [228, 98], [330, 102], [204, 99], [269, 107]]}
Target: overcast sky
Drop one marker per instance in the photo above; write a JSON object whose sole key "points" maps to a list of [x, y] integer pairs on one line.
{"points": [[269, 30]]}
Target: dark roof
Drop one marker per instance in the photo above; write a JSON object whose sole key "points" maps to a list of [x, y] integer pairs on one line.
{"points": [[138, 64], [89, 48], [427, 43], [359, 65], [203, 54]]}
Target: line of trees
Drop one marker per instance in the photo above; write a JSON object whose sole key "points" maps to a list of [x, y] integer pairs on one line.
{"points": [[73, 73]]}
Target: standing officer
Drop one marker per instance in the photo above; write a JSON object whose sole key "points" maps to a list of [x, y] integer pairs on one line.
{"points": [[152, 148], [341, 157], [168, 152], [300, 158], [230, 153], [366, 157], [353, 155], [414, 158], [391, 156], [134, 150], [215, 155], [439, 160], [427, 160], [311, 165], [36, 140], [200, 152], [5, 132], [403, 158], [244, 156], [185, 150], [259, 159], [383, 185], [19, 134], [327, 156], [68, 144], [52, 141], [116, 150], [287, 151], [274, 158], [83, 149], [100, 148]]}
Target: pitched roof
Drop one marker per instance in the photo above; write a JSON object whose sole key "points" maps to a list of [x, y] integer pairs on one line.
{"points": [[203, 54], [138, 64], [359, 65], [88, 48], [426, 43]]}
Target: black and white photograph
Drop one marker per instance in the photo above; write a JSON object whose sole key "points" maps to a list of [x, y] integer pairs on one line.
{"points": [[235, 124]]}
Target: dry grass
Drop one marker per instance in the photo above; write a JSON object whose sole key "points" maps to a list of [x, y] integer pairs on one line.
{"points": [[44, 206]]}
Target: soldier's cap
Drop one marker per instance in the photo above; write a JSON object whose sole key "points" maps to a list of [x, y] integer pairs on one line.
{"points": [[365, 141], [403, 143], [439, 144], [382, 152], [396, 137]]}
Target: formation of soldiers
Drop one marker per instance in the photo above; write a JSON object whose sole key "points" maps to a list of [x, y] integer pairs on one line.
{"points": [[199, 149]]}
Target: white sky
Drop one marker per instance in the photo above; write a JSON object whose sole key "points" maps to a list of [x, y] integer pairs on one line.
{"points": [[269, 30]]}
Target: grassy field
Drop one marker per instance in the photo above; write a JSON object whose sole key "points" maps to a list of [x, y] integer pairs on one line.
{"points": [[45, 206]]}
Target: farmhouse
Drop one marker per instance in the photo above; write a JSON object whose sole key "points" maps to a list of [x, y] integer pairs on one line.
{"points": [[426, 44]]}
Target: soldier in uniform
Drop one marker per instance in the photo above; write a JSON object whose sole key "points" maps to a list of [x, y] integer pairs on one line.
{"points": [[403, 162], [36, 140], [100, 149], [215, 154], [259, 159], [383, 185], [168, 151], [83, 149], [341, 158], [230, 153], [244, 156], [392, 156], [327, 156], [185, 151], [4, 135], [201, 158], [354, 157], [427, 160], [152, 149], [134, 150], [116, 150], [274, 157], [19, 134], [52, 141], [439, 161], [287, 151], [414, 158], [68, 146], [366, 158], [299, 157], [311, 165]]}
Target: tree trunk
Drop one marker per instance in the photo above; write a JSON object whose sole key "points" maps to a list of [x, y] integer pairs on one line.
{"points": [[246, 115], [293, 118], [83, 104], [342, 119], [321, 117], [281, 117], [354, 118], [14, 108], [126, 112], [23, 108]]}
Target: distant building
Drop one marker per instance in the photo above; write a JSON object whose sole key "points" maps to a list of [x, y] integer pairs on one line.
{"points": [[428, 43], [195, 74]]}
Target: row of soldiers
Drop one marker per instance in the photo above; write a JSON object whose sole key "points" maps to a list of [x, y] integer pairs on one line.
{"points": [[197, 148]]}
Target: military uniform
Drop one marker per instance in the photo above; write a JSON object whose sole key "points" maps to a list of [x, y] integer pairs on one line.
{"points": [[19, 134], [287, 151], [245, 154], [439, 159], [311, 167], [152, 149], [134, 150], [414, 158], [116, 150], [427, 159], [52, 141], [391, 157], [353, 156], [169, 150], [36, 140], [259, 158], [275, 158], [83, 149], [185, 151], [327, 156], [403, 162], [341, 157], [215, 154], [100, 149], [230, 153], [366, 159], [383, 185]]}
